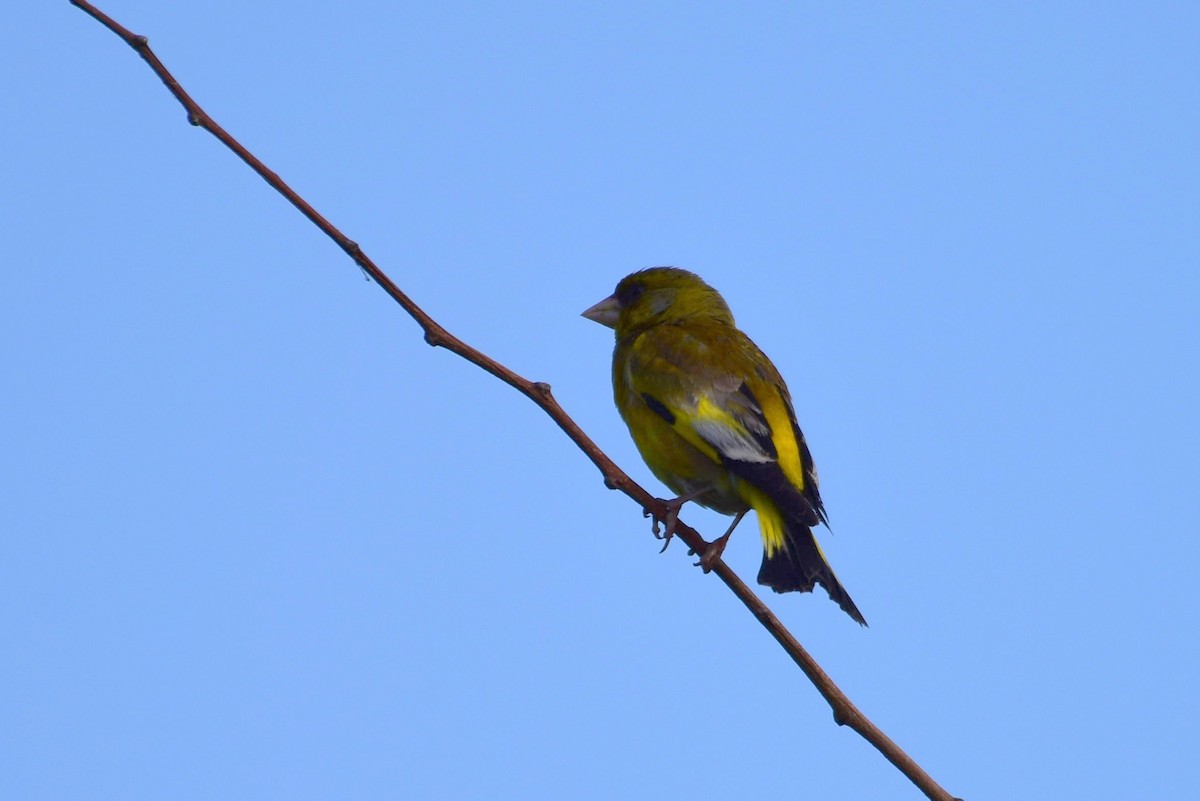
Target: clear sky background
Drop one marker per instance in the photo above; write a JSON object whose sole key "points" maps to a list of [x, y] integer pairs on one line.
{"points": [[260, 541]]}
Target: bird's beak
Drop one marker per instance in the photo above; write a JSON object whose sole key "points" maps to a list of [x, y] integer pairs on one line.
{"points": [[605, 312]]}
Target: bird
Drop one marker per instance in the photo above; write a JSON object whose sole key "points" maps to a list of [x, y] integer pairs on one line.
{"points": [[714, 421]]}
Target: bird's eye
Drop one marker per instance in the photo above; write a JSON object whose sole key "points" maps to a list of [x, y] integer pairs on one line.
{"points": [[628, 294]]}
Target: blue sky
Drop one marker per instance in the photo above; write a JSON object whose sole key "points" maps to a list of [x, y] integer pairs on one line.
{"points": [[260, 541]]}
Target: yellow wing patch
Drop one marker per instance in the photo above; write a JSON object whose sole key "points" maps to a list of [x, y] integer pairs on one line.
{"points": [[784, 438], [726, 433]]}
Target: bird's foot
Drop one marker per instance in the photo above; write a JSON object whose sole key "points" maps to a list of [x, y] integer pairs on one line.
{"points": [[664, 528], [712, 552], [667, 523]]}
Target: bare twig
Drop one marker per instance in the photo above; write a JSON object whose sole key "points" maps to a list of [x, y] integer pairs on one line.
{"points": [[844, 712]]}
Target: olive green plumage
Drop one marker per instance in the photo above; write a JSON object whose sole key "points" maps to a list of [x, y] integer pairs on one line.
{"points": [[713, 419]]}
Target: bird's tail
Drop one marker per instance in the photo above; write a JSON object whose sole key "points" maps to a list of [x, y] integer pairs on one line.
{"points": [[799, 564]]}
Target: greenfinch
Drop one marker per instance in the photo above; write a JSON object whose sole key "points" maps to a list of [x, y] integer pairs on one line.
{"points": [[714, 421]]}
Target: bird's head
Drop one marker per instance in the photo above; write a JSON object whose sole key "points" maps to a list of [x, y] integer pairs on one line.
{"points": [[659, 295]]}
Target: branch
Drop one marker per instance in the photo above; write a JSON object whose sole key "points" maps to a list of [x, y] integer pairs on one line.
{"points": [[844, 712]]}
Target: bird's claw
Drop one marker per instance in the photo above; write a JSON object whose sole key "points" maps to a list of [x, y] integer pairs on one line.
{"points": [[712, 553], [663, 528]]}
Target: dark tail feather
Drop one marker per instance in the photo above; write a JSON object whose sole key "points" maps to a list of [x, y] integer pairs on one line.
{"points": [[799, 565]]}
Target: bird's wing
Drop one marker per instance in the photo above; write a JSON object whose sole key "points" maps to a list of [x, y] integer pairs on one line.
{"points": [[681, 376], [724, 397]]}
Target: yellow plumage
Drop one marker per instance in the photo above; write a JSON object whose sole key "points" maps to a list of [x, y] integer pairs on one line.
{"points": [[713, 420]]}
